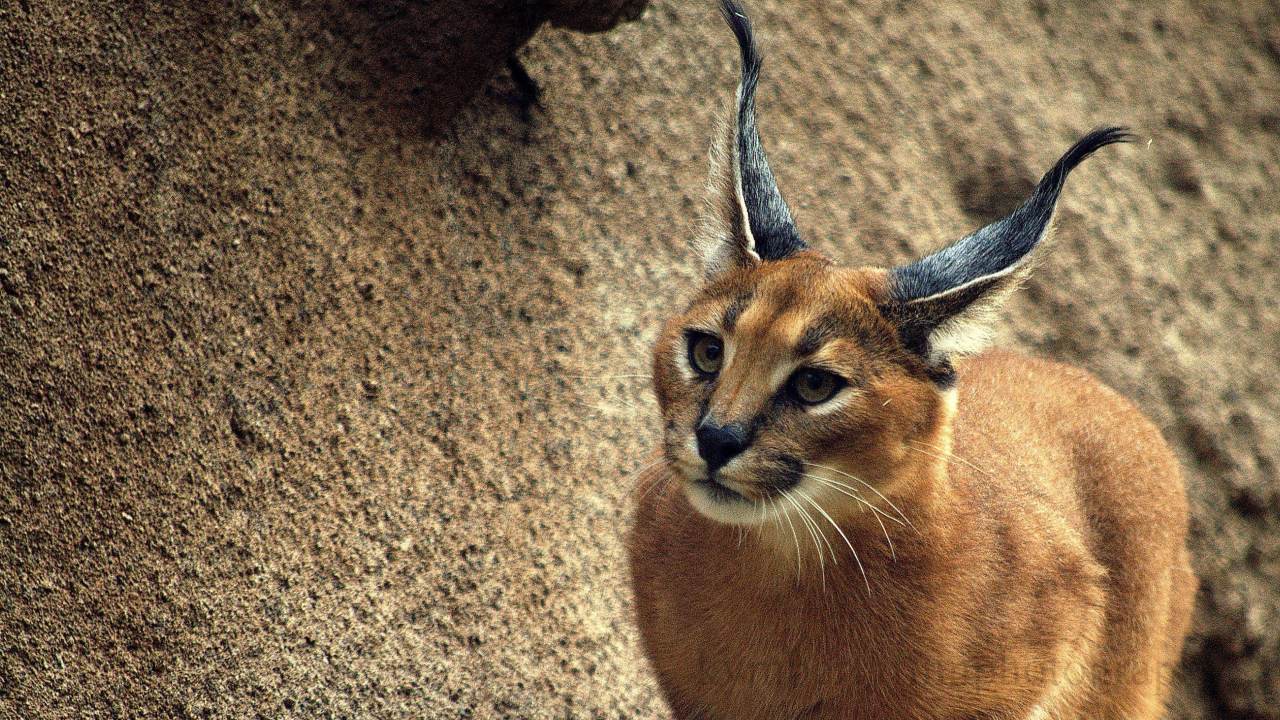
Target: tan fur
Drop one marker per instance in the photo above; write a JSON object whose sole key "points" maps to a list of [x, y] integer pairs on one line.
{"points": [[1041, 571]]}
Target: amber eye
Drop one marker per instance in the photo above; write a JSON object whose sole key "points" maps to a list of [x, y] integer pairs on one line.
{"points": [[705, 353], [813, 386]]}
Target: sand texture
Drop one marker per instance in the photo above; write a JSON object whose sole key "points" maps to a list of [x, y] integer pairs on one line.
{"points": [[322, 345]]}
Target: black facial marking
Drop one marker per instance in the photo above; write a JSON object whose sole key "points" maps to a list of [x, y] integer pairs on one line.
{"points": [[759, 422], [734, 311], [817, 335], [788, 475], [837, 325], [942, 374]]}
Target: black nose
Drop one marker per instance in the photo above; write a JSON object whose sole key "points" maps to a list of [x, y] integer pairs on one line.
{"points": [[718, 444]]}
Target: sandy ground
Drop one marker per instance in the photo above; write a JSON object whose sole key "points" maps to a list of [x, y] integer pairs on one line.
{"points": [[309, 411]]}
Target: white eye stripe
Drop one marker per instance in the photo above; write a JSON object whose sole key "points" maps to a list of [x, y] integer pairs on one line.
{"points": [[680, 354], [834, 403], [781, 374]]}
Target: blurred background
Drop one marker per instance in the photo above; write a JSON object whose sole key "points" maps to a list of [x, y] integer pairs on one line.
{"points": [[324, 330]]}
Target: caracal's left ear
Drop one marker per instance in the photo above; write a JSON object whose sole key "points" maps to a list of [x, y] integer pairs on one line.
{"points": [[747, 220], [942, 303]]}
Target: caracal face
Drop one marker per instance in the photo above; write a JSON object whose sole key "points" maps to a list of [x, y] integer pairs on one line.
{"points": [[775, 387]]}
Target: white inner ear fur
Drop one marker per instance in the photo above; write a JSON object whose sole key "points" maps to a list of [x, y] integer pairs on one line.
{"points": [[738, 195], [970, 330], [723, 244]]}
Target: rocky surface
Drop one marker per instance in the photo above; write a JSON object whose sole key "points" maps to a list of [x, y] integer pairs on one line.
{"points": [[321, 372]]}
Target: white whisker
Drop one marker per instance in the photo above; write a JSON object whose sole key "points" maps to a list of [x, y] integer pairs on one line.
{"points": [[821, 532], [643, 468], [795, 539], [950, 454], [863, 503], [853, 493], [892, 553], [875, 511], [809, 525], [663, 481], [869, 487], [846, 540]]}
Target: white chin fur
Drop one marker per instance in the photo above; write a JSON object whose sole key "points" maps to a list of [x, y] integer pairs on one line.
{"points": [[727, 511]]}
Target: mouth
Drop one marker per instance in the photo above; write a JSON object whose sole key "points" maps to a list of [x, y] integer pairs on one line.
{"points": [[716, 499], [719, 491], [709, 485], [733, 501]]}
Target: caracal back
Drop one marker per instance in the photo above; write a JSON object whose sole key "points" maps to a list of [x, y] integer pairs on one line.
{"points": [[1104, 471]]}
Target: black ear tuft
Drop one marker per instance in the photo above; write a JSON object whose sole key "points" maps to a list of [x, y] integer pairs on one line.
{"points": [[772, 229], [942, 303], [1001, 245]]}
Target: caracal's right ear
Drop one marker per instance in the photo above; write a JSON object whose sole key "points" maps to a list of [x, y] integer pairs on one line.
{"points": [[747, 220], [942, 303]]}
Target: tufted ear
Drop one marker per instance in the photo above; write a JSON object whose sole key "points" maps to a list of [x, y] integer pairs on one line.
{"points": [[942, 303], [747, 219]]}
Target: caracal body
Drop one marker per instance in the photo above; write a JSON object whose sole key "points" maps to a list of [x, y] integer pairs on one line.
{"points": [[856, 513], [1048, 578]]}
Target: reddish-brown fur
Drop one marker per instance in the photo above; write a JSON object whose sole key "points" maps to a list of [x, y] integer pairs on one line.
{"points": [[1043, 573]]}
